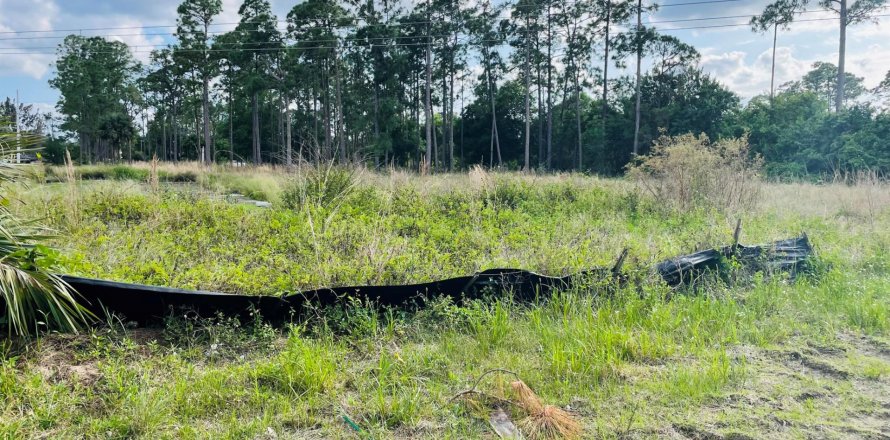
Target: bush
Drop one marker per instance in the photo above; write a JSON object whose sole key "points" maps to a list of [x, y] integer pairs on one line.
{"points": [[506, 193], [688, 171], [116, 206], [116, 172], [177, 176], [322, 186]]}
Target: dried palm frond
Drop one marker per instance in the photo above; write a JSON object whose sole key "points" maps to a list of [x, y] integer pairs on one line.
{"points": [[544, 421]]}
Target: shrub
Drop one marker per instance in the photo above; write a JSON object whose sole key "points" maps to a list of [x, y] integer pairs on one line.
{"points": [[322, 186], [116, 206], [506, 193], [688, 171], [177, 176], [121, 172]]}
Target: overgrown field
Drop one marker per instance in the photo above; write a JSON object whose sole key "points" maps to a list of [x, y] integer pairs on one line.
{"points": [[763, 357]]}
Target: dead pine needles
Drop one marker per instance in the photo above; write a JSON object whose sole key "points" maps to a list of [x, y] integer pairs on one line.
{"points": [[541, 421], [544, 421]]}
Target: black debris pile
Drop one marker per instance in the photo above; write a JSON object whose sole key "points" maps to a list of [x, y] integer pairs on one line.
{"points": [[791, 255], [147, 304]]}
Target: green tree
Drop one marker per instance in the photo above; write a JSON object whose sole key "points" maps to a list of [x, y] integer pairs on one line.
{"points": [[313, 26], [822, 80], [193, 32], [848, 14], [252, 49], [774, 16], [487, 33], [610, 13], [95, 78], [882, 91], [524, 30]]}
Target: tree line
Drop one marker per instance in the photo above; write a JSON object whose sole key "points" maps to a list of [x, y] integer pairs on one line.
{"points": [[443, 85]]}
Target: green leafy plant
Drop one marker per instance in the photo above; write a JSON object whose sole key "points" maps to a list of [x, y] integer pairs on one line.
{"points": [[33, 298]]}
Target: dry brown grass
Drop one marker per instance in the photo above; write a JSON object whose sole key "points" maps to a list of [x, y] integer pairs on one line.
{"points": [[685, 172], [864, 200], [544, 421]]}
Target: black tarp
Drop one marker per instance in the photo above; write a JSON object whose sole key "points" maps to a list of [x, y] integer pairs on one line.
{"points": [[144, 304], [785, 255]]}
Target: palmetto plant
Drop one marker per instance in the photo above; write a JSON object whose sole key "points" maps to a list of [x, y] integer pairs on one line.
{"points": [[33, 298]]}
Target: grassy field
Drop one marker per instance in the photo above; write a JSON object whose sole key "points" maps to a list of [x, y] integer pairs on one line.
{"points": [[765, 357]]}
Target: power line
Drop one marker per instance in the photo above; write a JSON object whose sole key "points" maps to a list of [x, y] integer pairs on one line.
{"points": [[134, 49], [703, 2], [389, 25], [70, 30]]}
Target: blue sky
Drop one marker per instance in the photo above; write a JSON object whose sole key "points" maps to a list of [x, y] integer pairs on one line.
{"points": [[735, 56]]}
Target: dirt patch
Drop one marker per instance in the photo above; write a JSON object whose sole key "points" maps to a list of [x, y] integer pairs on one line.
{"points": [[823, 368], [810, 365], [54, 359], [693, 433], [867, 345], [811, 391]]}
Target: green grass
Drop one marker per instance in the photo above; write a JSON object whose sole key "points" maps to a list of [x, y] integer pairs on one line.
{"points": [[766, 357]]}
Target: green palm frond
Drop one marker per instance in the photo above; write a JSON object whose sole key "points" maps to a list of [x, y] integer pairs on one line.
{"points": [[33, 298]]}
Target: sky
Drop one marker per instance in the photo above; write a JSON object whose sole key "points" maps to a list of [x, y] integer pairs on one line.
{"points": [[734, 55]]}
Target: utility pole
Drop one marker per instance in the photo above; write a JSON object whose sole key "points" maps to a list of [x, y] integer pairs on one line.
{"points": [[18, 131]]}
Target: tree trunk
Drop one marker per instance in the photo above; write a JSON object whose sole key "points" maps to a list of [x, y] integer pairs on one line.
{"points": [[175, 128], [451, 104], [327, 113], [205, 96], [376, 112], [200, 152], [255, 128], [444, 114], [231, 131], [451, 114], [841, 58], [341, 138], [605, 108], [281, 134], [462, 122], [528, 121], [164, 137], [578, 119], [540, 106], [492, 91], [636, 150], [549, 161], [772, 76], [427, 108], [288, 145]]}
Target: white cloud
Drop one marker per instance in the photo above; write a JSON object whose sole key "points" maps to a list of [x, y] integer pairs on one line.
{"points": [[17, 59], [752, 78], [871, 64]]}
